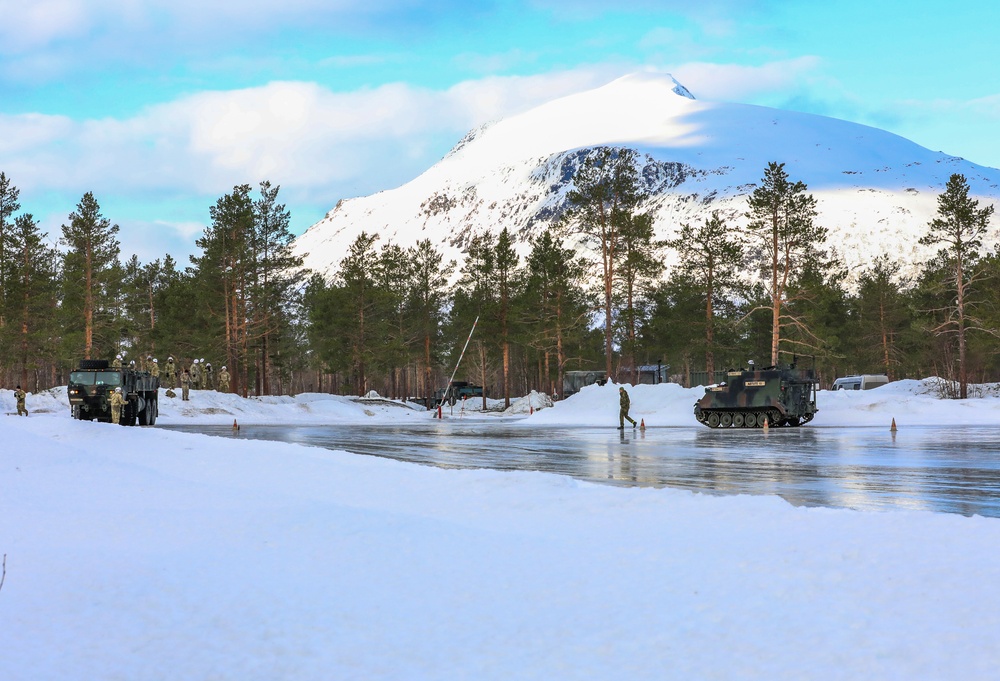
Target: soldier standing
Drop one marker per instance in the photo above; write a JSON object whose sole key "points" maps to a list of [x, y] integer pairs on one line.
{"points": [[171, 371], [154, 368], [20, 396], [185, 385], [117, 362], [195, 373], [223, 380], [117, 402], [625, 403], [209, 376]]}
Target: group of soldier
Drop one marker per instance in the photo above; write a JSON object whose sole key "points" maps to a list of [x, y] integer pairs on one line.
{"points": [[199, 375]]}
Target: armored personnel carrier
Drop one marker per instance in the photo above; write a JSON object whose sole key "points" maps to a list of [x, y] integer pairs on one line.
{"points": [[93, 381], [781, 396]]}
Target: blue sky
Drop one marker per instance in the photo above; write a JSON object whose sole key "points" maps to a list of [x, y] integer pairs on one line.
{"points": [[159, 108]]}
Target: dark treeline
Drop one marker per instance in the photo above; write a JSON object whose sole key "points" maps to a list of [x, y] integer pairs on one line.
{"points": [[395, 319]]}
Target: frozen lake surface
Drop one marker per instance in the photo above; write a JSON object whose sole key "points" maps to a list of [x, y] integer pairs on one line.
{"points": [[951, 470]]}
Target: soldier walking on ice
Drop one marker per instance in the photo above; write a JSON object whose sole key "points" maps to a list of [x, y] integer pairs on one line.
{"points": [[19, 395], [623, 412]]}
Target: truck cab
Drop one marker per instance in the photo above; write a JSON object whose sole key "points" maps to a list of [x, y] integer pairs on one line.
{"points": [[92, 383]]}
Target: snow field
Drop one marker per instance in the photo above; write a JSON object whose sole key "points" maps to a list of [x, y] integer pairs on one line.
{"points": [[141, 553]]}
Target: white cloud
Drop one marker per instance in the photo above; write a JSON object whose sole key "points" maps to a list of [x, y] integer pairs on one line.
{"points": [[30, 25], [294, 133], [736, 82]]}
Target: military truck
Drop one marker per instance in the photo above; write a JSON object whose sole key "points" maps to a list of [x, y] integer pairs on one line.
{"points": [[92, 383], [457, 391], [780, 396]]}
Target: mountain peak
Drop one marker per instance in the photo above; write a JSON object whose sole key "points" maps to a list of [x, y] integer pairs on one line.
{"points": [[651, 78]]}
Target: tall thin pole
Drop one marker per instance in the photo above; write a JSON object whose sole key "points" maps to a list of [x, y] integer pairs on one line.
{"points": [[455, 371]]}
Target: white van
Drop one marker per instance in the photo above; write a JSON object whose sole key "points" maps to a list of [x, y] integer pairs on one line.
{"points": [[863, 382]]}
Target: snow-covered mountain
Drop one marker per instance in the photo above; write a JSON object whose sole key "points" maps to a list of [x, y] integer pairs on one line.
{"points": [[876, 191]]}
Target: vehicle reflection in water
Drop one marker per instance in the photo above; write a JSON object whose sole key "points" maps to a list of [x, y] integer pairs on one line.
{"points": [[953, 470]]}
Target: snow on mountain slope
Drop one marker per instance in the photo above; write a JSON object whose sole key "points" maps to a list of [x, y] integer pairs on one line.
{"points": [[876, 191]]}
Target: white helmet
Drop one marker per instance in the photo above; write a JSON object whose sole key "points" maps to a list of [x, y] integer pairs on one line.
{"points": [[156, 361], [223, 367], [118, 356], [194, 361], [203, 359], [118, 390]]}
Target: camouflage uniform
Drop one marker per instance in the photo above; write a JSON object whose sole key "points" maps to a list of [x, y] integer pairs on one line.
{"points": [[223, 380], [117, 402], [623, 412], [195, 372], [19, 395], [171, 372], [185, 385], [116, 363], [154, 369], [209, 376]]}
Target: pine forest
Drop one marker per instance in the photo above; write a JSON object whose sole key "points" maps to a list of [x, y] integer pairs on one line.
{"points": [[593, 293]]}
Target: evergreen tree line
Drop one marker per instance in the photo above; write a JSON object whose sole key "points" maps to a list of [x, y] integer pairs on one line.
{"points": [[396, 319]]}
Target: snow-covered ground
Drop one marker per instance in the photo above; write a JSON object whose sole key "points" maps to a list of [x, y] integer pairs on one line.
{"points": [[142, 553]]}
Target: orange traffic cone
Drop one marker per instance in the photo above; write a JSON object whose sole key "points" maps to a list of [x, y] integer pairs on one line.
{"points": [[893, 428], [236, 426], [765, 424], [642, 424], [531, 409]]}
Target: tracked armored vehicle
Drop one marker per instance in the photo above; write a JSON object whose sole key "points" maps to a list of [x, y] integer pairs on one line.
{"points": [[781, 396], [93, 381]]}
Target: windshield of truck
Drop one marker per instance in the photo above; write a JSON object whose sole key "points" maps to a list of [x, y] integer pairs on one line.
{"points": [[95, 378]]}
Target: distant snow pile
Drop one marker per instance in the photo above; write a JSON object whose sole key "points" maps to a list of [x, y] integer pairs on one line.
{"points": [[529, 403], [909, 402]]}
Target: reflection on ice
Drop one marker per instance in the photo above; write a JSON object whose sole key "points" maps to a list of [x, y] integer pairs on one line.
{"points": [[954, 470]]}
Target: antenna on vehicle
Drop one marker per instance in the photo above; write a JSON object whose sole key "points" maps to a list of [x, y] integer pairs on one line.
{"points": [[455, 371]]}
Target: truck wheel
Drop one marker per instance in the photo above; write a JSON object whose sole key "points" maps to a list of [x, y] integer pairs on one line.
{"points": [[713, 420], [726, 420], [738, 420]]}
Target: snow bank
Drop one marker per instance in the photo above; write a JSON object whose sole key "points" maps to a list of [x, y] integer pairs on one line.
{"points": [[909, 402], [208, 407]]}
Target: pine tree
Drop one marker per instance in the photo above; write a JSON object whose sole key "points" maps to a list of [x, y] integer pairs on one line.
{"points": [[508, 279], [90, 268], [556, 307], [959, 229], [32, 296], [277, 275], [8, 206], [883, 314], [639, 268], [606, 192], [223, 281], [392, 276], [363, 324], [428, 297], [477, 297], [787, 240], [711, 258]]}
